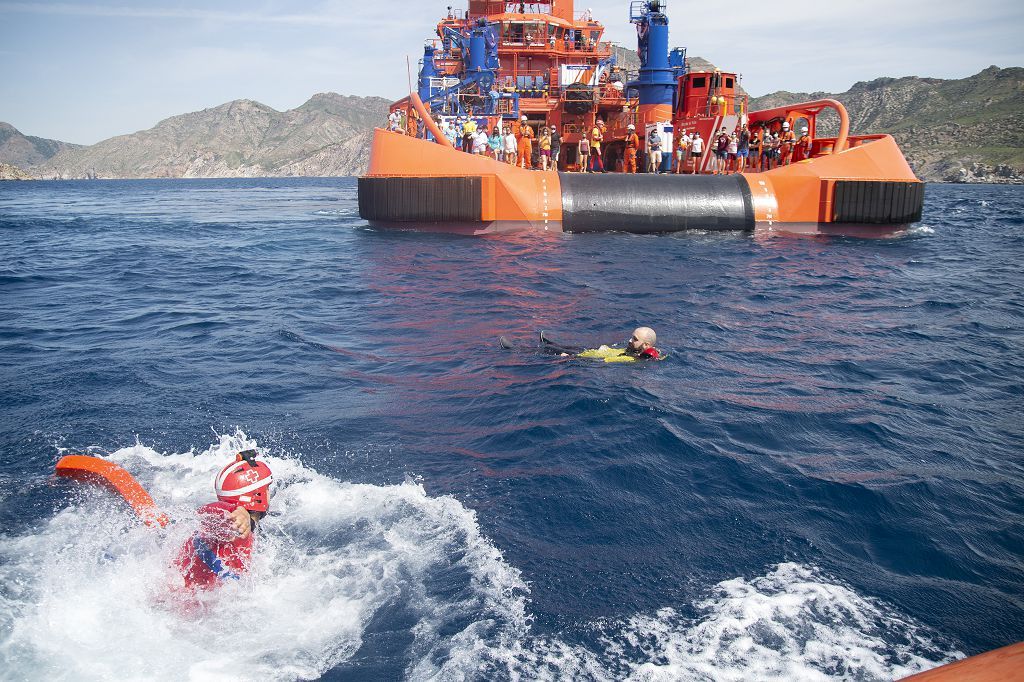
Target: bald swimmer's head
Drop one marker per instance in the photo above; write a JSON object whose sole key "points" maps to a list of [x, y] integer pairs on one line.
{"points": [[642, 339]]}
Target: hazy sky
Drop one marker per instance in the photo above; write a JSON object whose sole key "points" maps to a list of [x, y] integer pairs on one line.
{"points": [[83, 71]]}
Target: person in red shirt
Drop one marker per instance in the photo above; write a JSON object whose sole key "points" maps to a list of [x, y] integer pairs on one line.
{"points": [[220, 550]]}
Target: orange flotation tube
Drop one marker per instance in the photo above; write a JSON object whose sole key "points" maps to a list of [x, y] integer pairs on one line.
{"points": [[1000, 665], [116, 479]]}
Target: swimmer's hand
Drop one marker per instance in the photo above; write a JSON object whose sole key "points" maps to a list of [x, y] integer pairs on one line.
{"points": [[239, 521]]}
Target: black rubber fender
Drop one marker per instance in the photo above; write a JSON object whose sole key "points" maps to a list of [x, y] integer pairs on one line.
{"points": [[621, 202]]}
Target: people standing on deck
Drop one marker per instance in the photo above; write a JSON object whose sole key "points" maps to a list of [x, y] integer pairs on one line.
{"points": [[596, 137], [525, 143], [742, 149], [495, 144], [412, 121], [731, 151], [545, 148], [632, 144], [721, 145], [680, 152], [803, 145], [696, 150], [654, 152], [755, 150], [584, 153], [394, 121], [468, 135], [556, 146], [788, 140], [511, 147], [776, 150], [481, 142], [449, 132]]}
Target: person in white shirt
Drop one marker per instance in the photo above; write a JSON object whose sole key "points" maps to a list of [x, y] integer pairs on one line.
{"points": [[696, 150], [480, 142], [511, 148]]}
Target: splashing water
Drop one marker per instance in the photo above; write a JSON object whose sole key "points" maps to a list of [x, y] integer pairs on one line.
{"points": [[88, 595]]}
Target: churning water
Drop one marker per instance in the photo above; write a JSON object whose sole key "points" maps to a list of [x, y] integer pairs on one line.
{"points": [[823, 479]]}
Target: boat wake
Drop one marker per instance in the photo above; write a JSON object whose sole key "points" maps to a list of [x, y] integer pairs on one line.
{"points": [[386, 580]]}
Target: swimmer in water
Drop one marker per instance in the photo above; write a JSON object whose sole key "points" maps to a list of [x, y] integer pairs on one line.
{"points": [[221, 548], [641, 344], [639, 347]]}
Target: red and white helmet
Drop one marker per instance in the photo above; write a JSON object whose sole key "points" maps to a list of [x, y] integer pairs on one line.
{"points": [[245, 482]]}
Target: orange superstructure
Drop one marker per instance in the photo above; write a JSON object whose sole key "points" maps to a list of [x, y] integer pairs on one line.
{"points": [[503, 67]]}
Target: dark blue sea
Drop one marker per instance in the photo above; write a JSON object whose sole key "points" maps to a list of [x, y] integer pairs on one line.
{"points": [[824, 479]]}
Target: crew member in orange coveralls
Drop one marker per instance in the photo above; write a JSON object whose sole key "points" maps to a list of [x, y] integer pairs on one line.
{"points": [[788, 140], [525, 143], [632, 143]]}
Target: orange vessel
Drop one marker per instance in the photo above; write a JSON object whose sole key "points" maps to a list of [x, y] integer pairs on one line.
{"points": [[520, 69]]}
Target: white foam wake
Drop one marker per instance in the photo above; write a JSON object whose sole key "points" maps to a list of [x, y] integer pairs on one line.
{"points": [[83, 597], [791, 624]]}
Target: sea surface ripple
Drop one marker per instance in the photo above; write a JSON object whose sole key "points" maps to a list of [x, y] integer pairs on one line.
{"points": [[824, 479]]}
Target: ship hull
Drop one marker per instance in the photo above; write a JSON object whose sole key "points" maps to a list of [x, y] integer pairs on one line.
{"points": [[419, 184]]}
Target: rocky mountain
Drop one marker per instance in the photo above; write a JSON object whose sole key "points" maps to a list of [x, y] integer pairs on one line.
{"points": [[9, 172], [27, 150], [967, 130], [328, 135]]}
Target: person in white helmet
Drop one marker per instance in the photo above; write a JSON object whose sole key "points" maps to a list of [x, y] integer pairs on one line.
{"points": [[803, 145], [632, 144], [220, 550], [788, 140], [525, 144]]}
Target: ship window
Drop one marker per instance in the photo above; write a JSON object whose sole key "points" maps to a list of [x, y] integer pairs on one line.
{"points": [[699, 83], [728, 82], [534, 33], [514, 33]]}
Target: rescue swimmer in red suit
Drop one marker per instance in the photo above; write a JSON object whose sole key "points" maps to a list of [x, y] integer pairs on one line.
{"points": [[221, 548]]}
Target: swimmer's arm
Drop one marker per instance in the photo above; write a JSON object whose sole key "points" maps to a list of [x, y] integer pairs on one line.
{"points": [[240, 522], [224, 525]]}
